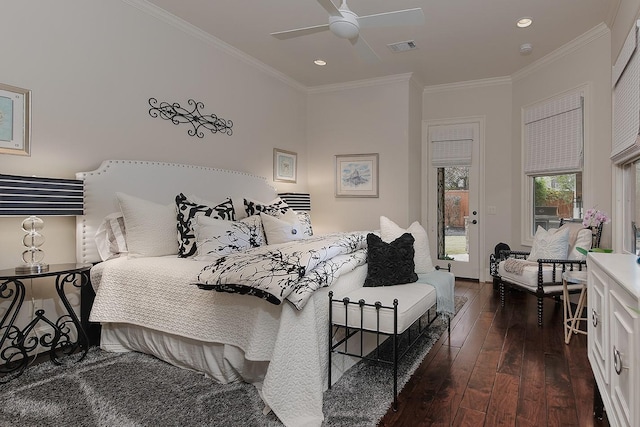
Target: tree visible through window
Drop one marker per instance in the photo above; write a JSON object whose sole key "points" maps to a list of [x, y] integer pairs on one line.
{"points": [[555, 197]]}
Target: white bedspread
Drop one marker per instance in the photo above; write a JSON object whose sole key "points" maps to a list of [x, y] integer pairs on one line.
{"points": [[156, 293]]}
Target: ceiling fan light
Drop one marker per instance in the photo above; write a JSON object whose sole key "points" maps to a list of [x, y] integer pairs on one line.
{"points": [[344, 29], [524, 22], [345, 26], [320, 62]]}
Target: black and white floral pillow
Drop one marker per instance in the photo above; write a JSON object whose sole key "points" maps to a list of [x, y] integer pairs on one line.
{"points": [[274, 208], [216, 237], [305, 221], [187, 211]]}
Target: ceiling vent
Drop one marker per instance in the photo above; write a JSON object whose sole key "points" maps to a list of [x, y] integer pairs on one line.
{"points": [[403, 46]]}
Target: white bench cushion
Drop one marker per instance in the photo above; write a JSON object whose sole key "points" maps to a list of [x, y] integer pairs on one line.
{"points": [[414, 299]]}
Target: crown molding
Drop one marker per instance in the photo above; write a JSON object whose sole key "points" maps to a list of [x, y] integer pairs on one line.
{"points": [[378, 81], [584, 39], [168, 18], [470, 84]]}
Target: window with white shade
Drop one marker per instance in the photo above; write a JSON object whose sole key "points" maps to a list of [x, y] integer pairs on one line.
{"points": [[553, 141]]}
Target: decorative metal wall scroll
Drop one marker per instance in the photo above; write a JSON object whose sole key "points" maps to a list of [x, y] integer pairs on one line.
{"points": [[178, 114]]}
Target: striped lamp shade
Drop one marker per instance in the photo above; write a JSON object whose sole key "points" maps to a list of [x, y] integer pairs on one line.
{"points": [[297, 201], [26, 195]]}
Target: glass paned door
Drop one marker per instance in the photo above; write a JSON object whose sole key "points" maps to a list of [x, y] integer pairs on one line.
{"points": [[453, 212]]}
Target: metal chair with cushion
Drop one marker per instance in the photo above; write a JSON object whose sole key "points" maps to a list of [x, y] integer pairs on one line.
{"points": [[542, 275]]}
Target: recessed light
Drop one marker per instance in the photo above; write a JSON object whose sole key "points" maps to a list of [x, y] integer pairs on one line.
{"points": [[320, 62], [524, 22]]}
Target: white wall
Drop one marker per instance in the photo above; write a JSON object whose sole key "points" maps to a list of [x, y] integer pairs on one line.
{"points": [[587, 64], [92, 67], [356, 119]]}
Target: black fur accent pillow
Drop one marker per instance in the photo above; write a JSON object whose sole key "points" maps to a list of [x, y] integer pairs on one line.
{"points": [[186, 212], [390, 263]]}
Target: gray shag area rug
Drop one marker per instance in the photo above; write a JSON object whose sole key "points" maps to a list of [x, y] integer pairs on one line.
{"points": [[132, 389]]}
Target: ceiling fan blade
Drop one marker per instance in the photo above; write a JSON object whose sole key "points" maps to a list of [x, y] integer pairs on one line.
{"points": [[289, 34], [363, 50], [388, 19], [330, 7]]}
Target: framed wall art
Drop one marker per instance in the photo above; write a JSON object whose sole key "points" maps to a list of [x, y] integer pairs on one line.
{"points": [[15, 120], [285, 164], [357, 175]]}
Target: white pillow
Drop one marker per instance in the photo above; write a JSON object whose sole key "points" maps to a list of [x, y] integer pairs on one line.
{"points": [[390, 231], [279, 230], [218, 237], [584, 240], [151, 227], [111, 237], [550, 244]]}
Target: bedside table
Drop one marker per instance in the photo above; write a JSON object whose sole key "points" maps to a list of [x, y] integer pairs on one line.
{"points": [[16, 344]]}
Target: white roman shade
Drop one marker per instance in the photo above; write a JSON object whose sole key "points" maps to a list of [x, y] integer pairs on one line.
{"points": [[451, 145], [626, 101], [553, 135]]}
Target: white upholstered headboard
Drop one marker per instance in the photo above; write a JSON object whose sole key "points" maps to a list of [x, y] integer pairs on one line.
{"points": [[158, 182]]}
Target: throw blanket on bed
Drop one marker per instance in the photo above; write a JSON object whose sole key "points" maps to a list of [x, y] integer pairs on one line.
{"points": [[517, 266], [292, 270]]}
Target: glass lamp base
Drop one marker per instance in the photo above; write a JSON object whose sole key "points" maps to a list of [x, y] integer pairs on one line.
{"points": [[37, 267]]}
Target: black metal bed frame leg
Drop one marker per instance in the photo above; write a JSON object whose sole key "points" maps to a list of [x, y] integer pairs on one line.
{"points": [[395, 355], [501, 294], [330, 336]]}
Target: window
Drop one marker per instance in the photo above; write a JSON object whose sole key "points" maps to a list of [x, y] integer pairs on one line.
{"points": [[552, 162], [555, 197], [453, 214], [631, 206]]}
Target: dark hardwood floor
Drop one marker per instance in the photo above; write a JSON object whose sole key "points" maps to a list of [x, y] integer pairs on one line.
{"points": [[500, 369]]}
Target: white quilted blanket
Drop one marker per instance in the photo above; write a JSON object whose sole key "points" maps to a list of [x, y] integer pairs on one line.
{"points": [[156, 293]]}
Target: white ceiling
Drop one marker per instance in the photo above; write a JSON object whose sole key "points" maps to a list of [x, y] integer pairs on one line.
{"points": [[461, 40]]}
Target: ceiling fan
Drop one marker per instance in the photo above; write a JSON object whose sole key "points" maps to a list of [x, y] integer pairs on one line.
{"points": [[346, 24]]}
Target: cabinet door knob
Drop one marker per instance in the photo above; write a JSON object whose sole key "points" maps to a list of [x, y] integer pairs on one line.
{"points": [[594, 318], [617, 361]]}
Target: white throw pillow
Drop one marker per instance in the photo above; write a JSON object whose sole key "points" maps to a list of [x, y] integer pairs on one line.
{"points": [[390, 231], [218, 237], [584, 241], [279, 231], [550, 244], [151, 227]]}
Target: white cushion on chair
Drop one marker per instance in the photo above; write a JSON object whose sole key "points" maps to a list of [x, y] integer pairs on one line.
{"points": [[529, 278], [414, 299]]}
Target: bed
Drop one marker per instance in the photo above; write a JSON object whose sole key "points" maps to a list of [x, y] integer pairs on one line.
{"points": [[213, 274], [149, 303]]}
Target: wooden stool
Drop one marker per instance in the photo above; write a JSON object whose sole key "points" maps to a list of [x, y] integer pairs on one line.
{"points": [[574, 280]]}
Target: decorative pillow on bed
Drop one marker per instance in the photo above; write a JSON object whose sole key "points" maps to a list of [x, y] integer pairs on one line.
{"points": [[216, 237], [550, 244], [389, 231], [305, 221], [279, 230], [273, 208], [151, 227], [111, 237], [390, 263], [187, 210]]}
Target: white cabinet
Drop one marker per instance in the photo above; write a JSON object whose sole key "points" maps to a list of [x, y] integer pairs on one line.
{"points": [[614, 334]]}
